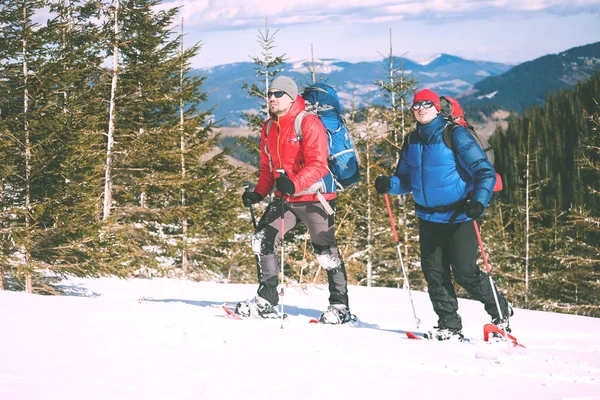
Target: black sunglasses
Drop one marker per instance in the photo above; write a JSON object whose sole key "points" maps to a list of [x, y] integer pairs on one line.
{"points": [[278, 94], [424, 103]]}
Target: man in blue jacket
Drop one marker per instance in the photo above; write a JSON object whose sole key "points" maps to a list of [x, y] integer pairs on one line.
{"points": [[450, 190]]}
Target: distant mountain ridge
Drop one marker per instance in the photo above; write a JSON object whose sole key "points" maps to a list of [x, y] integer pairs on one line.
{"points": [[446, 74], [528, 84], [481, 86]]}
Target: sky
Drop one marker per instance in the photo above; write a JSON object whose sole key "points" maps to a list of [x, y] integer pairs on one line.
{"points": [[169, 339], [508, 31]]}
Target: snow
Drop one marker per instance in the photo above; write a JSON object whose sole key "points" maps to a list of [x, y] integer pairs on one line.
{"points": [[323, 66], [168, 339], [453, 86], [428, 60], [487, 96], [483, 73]]}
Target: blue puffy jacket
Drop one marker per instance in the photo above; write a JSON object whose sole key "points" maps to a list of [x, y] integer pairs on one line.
{"points": [[439, 179]]}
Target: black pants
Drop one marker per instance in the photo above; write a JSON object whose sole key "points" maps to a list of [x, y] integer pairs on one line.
{"points": [[321, 228], [453, 248]]}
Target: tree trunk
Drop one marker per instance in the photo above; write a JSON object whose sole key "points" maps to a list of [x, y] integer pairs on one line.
{"points": [[184, 221], [527, 219], [111, 122], [369, 208], [28, 281]]}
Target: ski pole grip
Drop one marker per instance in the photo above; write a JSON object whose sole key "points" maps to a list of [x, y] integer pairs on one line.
{"points": [[389, 208], [247, 189]]}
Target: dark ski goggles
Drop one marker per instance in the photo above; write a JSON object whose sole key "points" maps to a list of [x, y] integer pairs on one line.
{"points": [[424, 104], [278, 94]]}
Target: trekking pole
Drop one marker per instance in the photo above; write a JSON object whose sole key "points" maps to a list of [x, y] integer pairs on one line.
{"points": [[487, 268], [282, 293], [416, 319]]}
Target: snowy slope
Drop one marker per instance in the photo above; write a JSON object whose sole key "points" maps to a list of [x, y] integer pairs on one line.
{"points": [[167, 339]]}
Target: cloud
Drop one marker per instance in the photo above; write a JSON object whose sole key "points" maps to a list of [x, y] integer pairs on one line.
{"points": [[510, 31], [242, 14]]}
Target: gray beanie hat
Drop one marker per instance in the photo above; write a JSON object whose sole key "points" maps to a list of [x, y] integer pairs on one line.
{"points": [[287, 85]]}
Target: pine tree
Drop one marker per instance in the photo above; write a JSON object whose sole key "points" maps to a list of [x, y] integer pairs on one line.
{"points": [[66, 133], [267, 66], [582, 259], [169, 197], [54, 121], [23, 192], [312, 67], [558, 270], [141, 98], [69, 242]]}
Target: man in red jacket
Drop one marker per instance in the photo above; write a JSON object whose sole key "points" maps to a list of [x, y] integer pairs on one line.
{"points": [[297, 168]]}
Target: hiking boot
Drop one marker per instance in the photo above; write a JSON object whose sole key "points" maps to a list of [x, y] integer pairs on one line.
{"points": [[503, 324], [270, 312], [443, 334], [257, 308], [246, 308], [336, 314]]}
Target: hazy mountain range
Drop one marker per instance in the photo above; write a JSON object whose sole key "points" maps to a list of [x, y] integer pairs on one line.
{"points": [[528, 84], [476, 83]]}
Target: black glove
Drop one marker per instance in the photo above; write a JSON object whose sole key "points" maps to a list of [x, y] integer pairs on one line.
{"points": [[473, 209], [382, 184], [285, 185], [249, 198]]}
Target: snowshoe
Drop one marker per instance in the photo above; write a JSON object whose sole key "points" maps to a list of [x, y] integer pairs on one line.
{"points": [[257, 308], [337, 314], [443, 334]]}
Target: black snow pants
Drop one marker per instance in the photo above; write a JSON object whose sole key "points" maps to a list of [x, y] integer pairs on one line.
{"points": [[321, 228], [453, 248]]}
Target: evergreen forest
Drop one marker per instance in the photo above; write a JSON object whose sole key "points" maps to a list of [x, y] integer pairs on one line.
{"points": [[109, 167]]}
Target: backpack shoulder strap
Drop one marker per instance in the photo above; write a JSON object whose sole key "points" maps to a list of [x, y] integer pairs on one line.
{"points": [[449, 131], [269, 124], [447, 135], [484, 144], [298, 123], [409, 139]]}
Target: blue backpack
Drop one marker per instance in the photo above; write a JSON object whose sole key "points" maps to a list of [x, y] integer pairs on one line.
{"points": [[323, 100]]}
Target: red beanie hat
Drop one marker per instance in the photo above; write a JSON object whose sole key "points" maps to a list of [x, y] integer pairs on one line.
{"points": [[430, 95]]}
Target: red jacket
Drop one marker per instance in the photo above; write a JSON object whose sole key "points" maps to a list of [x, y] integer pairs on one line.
{"points": [[305, 162]]}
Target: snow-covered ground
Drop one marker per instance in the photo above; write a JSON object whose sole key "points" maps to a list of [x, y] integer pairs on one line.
{"points": [[168, 339]]}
